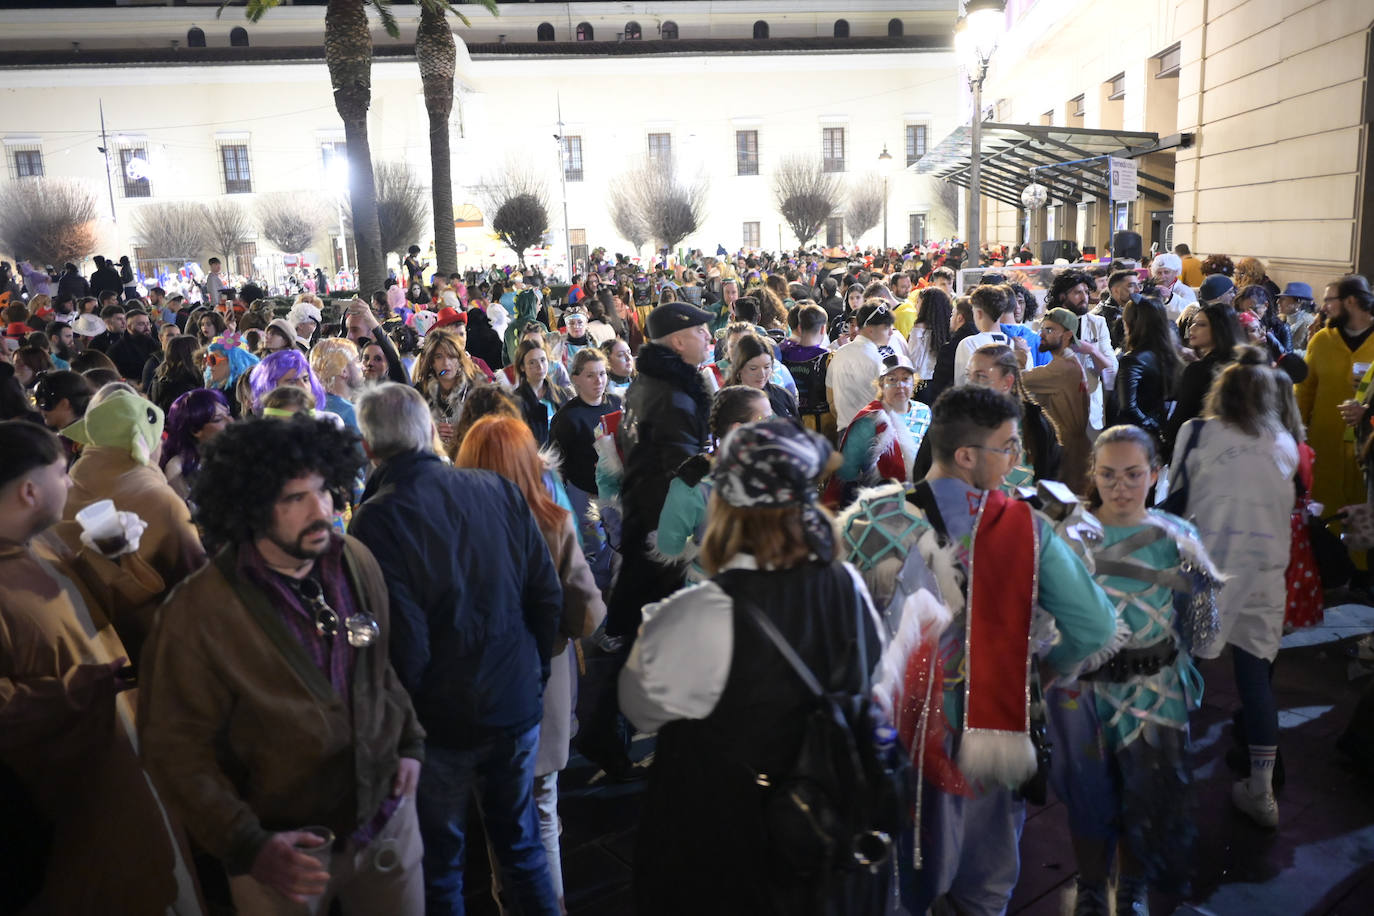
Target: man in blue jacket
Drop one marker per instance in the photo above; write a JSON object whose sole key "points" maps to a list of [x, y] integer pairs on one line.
{"points": [[475, 601]]}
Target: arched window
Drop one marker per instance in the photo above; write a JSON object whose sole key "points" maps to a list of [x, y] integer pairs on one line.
{"points": [[841, 28], [760, 29], [633, 32], [195, 38], [545, 32], [238, 38], [668, 31], [585, 32], [894, 28]]}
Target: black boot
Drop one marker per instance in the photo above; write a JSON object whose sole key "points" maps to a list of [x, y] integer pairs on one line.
{"points": [[1132, 897]]}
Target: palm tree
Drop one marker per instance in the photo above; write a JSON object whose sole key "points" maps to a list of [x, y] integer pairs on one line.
{"points": [[348, 55], [437, 56]]}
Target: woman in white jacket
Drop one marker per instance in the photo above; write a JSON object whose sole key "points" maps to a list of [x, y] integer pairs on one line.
{"points": [[1239, 463]]}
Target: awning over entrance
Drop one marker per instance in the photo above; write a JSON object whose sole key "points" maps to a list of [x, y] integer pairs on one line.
{"points": [[1010, 151]]}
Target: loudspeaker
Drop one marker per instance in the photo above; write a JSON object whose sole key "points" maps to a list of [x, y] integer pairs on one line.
{"points": [[1053, 249], [1127, 245]]}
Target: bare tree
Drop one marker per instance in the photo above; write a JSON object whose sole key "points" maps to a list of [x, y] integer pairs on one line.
{"points": [[865, 205], [48, 220], [651, 202], [626, 215], [518, 200], [402, 205], [226, 227], [291, 220], [172, 231], [805, 194]]}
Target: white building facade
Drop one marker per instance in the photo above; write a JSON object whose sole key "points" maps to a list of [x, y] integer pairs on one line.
{"points": [[185, 123]]}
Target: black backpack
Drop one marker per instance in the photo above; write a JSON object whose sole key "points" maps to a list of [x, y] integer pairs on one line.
{"points": [[834, 817]]}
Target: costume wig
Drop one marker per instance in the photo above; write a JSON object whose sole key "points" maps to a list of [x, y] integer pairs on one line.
{"points": [[188, 415], [244, 468], [240, 360], [276, 366]]}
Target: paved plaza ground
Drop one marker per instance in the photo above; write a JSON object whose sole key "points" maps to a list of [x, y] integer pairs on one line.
{"points": [[1321, 860]]}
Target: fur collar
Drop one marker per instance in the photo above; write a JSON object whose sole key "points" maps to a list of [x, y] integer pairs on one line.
{"points": [[658, 362]]}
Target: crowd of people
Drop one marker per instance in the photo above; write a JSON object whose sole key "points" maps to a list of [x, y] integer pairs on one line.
{"points": [[288, 589]]}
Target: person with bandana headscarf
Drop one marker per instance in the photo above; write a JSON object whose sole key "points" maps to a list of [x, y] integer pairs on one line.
{"points": [[722, 698]]}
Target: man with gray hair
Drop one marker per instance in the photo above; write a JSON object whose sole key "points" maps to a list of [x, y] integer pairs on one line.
{"points": [[475, 604]]}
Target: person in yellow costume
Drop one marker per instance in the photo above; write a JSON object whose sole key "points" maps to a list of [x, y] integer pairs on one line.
{"points": [[1339, 357]]}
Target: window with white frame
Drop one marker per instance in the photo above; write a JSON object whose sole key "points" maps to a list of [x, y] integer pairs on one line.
{"points": [[25, 161], [331, 152], [133, 170], [572, 158], [915, 142], [832, 149], [660, 147], [917, 224], [752, 238], [234, 168], [746, 152]]}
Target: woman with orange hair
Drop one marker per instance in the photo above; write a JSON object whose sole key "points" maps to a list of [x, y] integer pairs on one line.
{"points": [[506, 445]]}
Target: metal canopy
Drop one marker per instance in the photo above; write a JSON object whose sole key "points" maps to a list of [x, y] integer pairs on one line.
{"points": [[1010, 151]]}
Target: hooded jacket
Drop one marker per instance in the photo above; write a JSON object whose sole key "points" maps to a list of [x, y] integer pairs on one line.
{"points": [[667, 410]]}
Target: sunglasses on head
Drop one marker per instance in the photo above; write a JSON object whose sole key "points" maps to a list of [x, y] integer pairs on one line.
{"points": [[43, 396]]}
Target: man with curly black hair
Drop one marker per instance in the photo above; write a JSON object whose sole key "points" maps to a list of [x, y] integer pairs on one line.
{"points": [[270, 711]]}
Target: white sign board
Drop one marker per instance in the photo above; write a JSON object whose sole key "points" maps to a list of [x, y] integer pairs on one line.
{"points": [[1123, 178]]}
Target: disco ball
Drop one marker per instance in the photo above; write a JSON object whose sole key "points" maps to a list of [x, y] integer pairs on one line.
{"points": [[1034, 196]]}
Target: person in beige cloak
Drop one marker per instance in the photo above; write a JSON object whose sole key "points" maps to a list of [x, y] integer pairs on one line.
{"points": [[67, 731], [122, 433]]}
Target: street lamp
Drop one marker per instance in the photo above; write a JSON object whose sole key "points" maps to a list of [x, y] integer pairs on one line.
{"points": [[975, 38], [885, 166]]}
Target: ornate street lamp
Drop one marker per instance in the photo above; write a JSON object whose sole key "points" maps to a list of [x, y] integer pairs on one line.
{"points": [[975, 39]]}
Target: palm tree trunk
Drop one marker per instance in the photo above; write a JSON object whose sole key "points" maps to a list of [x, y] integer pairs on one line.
{"points": [[437, 56], [348, 54]]}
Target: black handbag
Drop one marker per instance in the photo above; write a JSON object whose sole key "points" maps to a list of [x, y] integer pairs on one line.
{"points": [[1036, 789]]}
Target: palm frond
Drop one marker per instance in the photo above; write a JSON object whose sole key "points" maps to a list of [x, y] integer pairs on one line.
{"points": [[384, 13], [253, 9]]}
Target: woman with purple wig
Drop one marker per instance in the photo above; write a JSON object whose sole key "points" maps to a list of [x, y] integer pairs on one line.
{"points": [[194, 419], [285, 367]]}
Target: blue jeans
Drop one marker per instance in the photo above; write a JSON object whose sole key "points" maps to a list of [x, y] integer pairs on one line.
{"points": [[501, 774]]}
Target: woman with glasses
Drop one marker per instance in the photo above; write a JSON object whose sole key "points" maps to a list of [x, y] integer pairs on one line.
{"points": [[882, 442], [751, 364], [227, 361], [1122, 723], [194, 419]]}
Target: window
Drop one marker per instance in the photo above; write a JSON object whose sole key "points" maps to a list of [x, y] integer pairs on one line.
{"points": [[894, 28], [544, 32], [660, 147], [195, 38], [585, 32], [577, 241], [572, 158], [834, 231], [1117, 86], [1076, 107], [238, 38], [841, 28], [243, 258], [746, 152], [633, 32], [752, 237], [26, 162], [668, 31], [917, 225], [1169, 61], [233, 160], [915, 142], [133, 167], [760, 29], [832, 150], [333, 151]]}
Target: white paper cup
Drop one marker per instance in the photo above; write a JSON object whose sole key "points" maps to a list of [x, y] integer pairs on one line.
{"points": [[100, 520]]}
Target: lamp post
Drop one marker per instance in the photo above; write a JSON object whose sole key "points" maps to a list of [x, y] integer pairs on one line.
{"points": [[975, 39], [885, 166]]}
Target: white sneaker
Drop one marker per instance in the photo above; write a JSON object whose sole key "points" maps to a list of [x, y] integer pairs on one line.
{"points": [[1261, 808]]}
